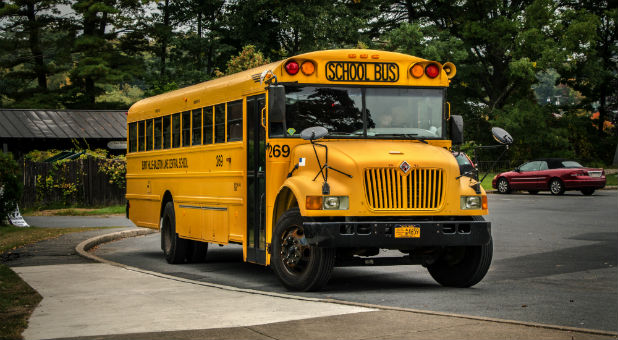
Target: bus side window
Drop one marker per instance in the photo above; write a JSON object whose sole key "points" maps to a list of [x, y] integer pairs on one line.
{"points": [[208, 125], [149, 134], [234, 121], [167, 132], [196, 123], [220, 123], [133, 137], [142, 134], [176, 130], [158, 132], [186, 128]]}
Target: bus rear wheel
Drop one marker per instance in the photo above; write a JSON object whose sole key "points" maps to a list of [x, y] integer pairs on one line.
{"points": [[298, 265], [174, 247], [462, 267]]}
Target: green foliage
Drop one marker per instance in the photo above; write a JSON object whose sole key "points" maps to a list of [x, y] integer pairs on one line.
{"points": [[248, 58], [546, 134], [112, 53], [62, 179], [10, 185], [116, 170]]}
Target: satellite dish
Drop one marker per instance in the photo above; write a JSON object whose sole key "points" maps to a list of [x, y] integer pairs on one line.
{"points": [[502, 136], [313, 133]]}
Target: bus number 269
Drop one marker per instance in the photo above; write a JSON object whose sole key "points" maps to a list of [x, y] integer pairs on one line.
{"points": [[279, 151]]}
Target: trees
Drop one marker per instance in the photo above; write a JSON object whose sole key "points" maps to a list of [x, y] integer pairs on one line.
{"points": [[31, 52], [109, 53], [100, 59]]}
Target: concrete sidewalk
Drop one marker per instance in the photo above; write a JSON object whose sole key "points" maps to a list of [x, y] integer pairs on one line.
{"points": [[104, 301]]}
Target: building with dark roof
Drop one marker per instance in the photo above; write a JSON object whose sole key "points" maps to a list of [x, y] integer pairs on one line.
{"points": [[24, 130]]}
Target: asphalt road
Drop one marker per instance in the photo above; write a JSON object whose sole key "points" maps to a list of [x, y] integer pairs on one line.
{"points": [[555, 261]]}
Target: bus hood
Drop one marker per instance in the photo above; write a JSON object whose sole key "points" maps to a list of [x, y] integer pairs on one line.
{"points": [[348, 156]]}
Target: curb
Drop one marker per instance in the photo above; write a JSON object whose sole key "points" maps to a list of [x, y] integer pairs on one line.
{"points": [[83, 248]]}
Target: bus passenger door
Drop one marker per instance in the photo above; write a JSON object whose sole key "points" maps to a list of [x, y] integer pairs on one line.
{"points": [[256, 168]]}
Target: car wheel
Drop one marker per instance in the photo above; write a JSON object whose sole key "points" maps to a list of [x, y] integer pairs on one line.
{"points": [[503, 186], [174, 247], [533, 192], [462, 266], [298, 265], [556, 187], [587, 192]]}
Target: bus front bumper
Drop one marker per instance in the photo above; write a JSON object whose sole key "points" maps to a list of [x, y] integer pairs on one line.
{"points": [[383, 234]]}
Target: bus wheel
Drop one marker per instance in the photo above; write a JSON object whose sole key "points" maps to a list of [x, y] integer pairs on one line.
{"points": [[462, 266], [298, 265], [174, 247]]}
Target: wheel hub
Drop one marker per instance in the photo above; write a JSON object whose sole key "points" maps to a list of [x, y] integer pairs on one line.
{"points": [[293, 248]]}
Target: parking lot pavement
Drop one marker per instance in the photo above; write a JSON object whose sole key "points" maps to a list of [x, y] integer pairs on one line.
{"points": [[103, 301], [84, 299]]}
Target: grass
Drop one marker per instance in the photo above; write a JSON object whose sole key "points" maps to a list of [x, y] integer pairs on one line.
{"points": [[17, 298], [17, 301], [14, 237], [111, 210], [486, 184]]}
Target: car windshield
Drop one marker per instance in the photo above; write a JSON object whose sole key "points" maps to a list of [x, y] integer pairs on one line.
{"points": [[462, 159], [351, 112]]}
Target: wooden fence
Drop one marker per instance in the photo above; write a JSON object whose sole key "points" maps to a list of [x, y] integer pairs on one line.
{"points": [[78, 182]]}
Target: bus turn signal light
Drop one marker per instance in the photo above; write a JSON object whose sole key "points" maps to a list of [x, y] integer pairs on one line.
{"points": [[314, 203], [292, 67], [432, 70], [417, 71], [308, 68]]}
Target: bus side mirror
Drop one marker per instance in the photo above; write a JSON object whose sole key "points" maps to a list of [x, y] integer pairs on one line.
{"points": [[457, 129], [276, 103]]}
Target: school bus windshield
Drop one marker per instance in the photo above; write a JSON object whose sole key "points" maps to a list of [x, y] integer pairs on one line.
{"points": [[355, 112]]}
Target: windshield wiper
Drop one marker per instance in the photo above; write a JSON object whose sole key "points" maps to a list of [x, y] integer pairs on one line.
{"points": [[413, 136]]}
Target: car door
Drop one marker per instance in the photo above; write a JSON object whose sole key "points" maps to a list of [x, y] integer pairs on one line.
{"points": [[543, 176], [527, 176]]}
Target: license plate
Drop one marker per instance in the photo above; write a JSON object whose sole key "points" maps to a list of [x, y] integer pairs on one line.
{"points": [[407, 231]]}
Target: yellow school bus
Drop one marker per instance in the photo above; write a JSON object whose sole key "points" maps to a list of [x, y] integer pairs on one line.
{"points": [[316, 161]]}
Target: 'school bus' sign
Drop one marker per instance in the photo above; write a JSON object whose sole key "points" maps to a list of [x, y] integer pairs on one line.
{"points": [[362, 71]]}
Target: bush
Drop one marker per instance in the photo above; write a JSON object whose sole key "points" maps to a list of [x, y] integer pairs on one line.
{"points": [[10, 184]]}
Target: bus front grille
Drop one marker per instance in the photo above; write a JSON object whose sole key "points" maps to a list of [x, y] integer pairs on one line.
{"points": [[391, 189]]}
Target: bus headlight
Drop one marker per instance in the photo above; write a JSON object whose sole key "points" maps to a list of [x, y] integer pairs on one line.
{"points": [[336, 203], [328, 202], [471, 202]]}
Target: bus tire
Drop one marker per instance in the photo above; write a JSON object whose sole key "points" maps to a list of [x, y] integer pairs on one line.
{"points": [[197, 252], [462, 267], [299, 266], [174, 247]]}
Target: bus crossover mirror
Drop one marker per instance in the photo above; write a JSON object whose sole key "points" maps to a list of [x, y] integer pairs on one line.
{"points": [[276, 103], [501, 136], [313, 133], [457, 129]]}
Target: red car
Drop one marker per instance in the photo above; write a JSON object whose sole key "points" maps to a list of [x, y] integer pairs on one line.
{"points": [[553, 174]]}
